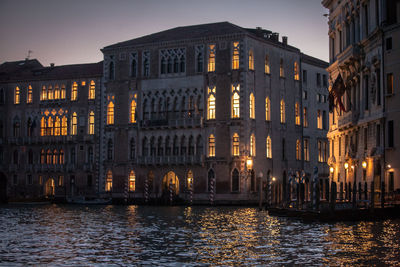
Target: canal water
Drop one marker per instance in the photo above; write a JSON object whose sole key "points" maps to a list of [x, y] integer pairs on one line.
{"points": [[186, 236]]}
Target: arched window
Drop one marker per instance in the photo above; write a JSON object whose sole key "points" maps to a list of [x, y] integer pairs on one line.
{"points": [[29, 127], [298, 150], [281, 69], [182, 63], [57, 126], [176, 65], [283, 117], [57, 92], [235, 180], [43, 95], [55, 156], [132, 150], [235, 56], [132, 181], [63, 92], [110, 113], [199, 145], [109, 181], [30, 156], [49, 157], [268, 148], [50, 126], [50, 93], [91, 123], [42, 156], [15, 157], [163, 65], [111, 71], [110, 149], [175, 146], [296, 71], [211, 177], [253, 186], [43, 125], [160, 148], [133, 112], [211, 58], [200, 62], [266, 65], [183, 106], [191, 146], [235, 145], [16, 128], [211, 103], [267, 109], [134, 65], [235, 102], [252, 145], [183, 145], [62, 156], [64, 125], [74, 125], [29, 95], [297, 113], [189, 180], [92, 90], [74, 91], [211, 146], [145, 148], [251, 60], [90, 157], [17, 95], [152, 146], [169, 65], [252, 106]]}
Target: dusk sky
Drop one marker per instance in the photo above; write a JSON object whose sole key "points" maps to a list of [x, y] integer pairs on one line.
{"points": [[74, 31]]}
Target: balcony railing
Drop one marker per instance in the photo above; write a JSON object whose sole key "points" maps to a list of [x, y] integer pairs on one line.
{"points": [[172, 123], [169, 160]]}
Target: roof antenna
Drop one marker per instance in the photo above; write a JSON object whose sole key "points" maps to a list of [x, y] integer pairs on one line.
{"points": [[29, 54]]}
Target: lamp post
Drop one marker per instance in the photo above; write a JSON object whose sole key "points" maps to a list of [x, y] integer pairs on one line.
{"points": [[346, 167]]}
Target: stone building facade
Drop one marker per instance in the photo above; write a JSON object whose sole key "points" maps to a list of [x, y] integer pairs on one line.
{"points": [[364, 78], [50, 129], [206, 111]]}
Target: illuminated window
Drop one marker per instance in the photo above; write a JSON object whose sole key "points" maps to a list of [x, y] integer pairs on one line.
{"points": [[266, 65], [43, 125], [268, 148], [17, 95], [50, 126], [305, 117], [296, 71], [42, 156], [319, 119], [211, 103], [281, 69], [297, 113], [235, 145], [251, 60], [63, 92], [211, 58], [61, 156], [83, 83], [235, 102], [133, 112], [43, 95], [91, 123], [61, 180], [322, 151], [57, 92], [57, 126], [74, 124], [211, 146], [50, 93], [29, 95], [283, 118], [92, 90], [267, 109], [298, 149], [64, 125], [252, 107], [306, 150], [235, 56], [109, 181], [132, 181], [55, 156], [252, 145], [74, 92], [48, 156], [189, 180], [110, 113]]}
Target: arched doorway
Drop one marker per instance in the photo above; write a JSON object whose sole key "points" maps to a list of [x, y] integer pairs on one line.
{"points": [[50, 188], [171, 179], [3, 188]]}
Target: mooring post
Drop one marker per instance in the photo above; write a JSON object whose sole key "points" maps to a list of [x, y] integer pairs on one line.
{"points": [[170, 192], [372, 195], [383, 194], [315, 185], [333, 195], [354, 195], [146, 190]]}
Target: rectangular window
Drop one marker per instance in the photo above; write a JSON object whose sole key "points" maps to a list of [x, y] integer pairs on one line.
{"points": [[318, 79], [306, 150], [391, 181], [305, 76], [74, 91], [29, 95], [320, 156], [389, 88], [305, 118], [235, 101], [211, 58], [319, 119], [235, 56], [251, 60], [211, 146], [60, 180], [390, 134], [305, 95], [324, 80]]}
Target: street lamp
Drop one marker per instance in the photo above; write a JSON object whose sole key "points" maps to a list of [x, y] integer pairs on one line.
{"points": [[249, 164]]}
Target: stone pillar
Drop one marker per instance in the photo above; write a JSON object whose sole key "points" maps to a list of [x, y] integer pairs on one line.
{"points": [[333, 196]]}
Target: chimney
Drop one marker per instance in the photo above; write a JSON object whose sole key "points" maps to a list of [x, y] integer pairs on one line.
{"points": [[52, 65], [275, 37], [284, 40]]}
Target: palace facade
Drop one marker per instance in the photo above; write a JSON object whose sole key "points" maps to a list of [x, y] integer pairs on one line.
{"points": [[364, 81], [201, 112]]}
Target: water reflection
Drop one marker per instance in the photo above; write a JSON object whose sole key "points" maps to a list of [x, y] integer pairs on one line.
{"points": [[78, 235]]}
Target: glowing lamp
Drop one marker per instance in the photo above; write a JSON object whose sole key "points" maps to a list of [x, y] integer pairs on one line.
{"points": [[364, 164], [389, 166], [346, 165], [331, 169], [249, 164], [273, 179], [352, 167]]}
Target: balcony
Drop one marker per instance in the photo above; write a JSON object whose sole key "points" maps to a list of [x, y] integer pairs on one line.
{"points": [[170, 160], [172, 123], [351, 53], [345, 120]]}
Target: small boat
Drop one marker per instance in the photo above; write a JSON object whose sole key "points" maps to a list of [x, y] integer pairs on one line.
{"points": [[84, 201]]}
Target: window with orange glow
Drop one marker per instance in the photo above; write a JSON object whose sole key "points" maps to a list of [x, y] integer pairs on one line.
{"points": [[235, 102], [267, 109], [57, 92], [55, 156], [64, 125], [43, 126], [251, 60], [43, 93], [305, 117], [235, 56], [281, 69], [266, 65], [268, 148], [211, 103], [29, 95], [298, 150], [319, 119], [211, 146], [283, 116], [48, 156], [109, 181], [211, 58], [50, 126], [189, 180], [57, 126], [50, 93], [42, 156], [133, 112], [63, 92], [74, 124], [132, 181], [296, 71], [92, 90], [252, 106], [252, 145], [235, 145], [91, 123], [110, 113], [297, 113], [74, 91], [61, 156], [17, 95]]}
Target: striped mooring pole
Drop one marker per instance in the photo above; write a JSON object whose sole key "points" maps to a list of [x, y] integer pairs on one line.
{"points": [[315, 181], [191, 195], [170, 192], [126, 192], [146, 190], [212, 192], [269, 191]]}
